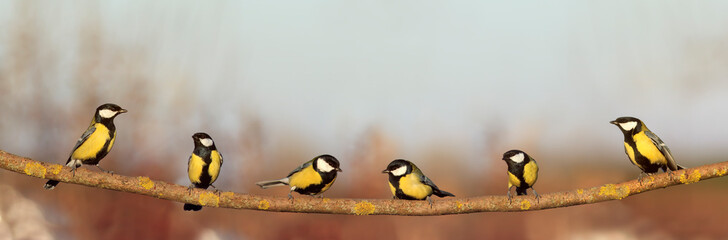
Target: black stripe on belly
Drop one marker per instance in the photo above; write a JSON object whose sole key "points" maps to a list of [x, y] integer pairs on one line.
{"points": [[400, 195], [205, 178], [314, 189]]}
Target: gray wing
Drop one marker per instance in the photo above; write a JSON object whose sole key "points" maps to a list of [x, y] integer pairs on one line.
{"points": [[299, 168], [435, 190], [664, 149], [91, 129], [424, 179], [428, 182]]}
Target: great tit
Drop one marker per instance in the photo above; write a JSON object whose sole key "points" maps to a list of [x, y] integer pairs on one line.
{"points": [[406, 181], [312, 178], [204, 164], [644, 148], [522, 172], [95, 143]]}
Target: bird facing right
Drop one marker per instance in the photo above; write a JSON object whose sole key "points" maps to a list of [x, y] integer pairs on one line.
{"points": [[311, 178], [95, 142]]}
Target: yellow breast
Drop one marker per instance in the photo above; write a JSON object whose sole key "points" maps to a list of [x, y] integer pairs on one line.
{"points": [[328, 185], [93, 144], [630, 153], [530, 173], [513, 180], [111, 144], [194, 169], [411, 186], [214, 169], [648, 149], [305, 177]]}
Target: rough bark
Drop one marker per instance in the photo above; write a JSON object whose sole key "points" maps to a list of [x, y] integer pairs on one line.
{"points": [[159, 189]]}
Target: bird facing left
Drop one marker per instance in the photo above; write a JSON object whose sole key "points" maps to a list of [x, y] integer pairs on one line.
{"points": [[95, 143], [406, 181], [522, 172]]}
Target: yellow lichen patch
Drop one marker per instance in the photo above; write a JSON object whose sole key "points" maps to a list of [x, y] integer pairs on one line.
{"points": [[35, 169], [55, 169], [692, 178], [459, 205], [325, 200], [145, 182], [721, 172], [364, 208], [608, 189], [580, 191], [263, 205], [613, 191], [525, 205], [652, 180], [209, 199], [228, 194]]}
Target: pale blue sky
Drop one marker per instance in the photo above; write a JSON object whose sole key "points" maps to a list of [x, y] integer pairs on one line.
{"points": [[550, 75]]}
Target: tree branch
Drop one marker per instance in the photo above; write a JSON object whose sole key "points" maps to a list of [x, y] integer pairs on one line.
{"points": [[163, 190]]}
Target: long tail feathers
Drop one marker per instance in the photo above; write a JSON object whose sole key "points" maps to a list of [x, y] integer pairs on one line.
{"points": [[680, 167], [192, 207], [441, 193], [72, 164], [273, 183], [50, 184]]}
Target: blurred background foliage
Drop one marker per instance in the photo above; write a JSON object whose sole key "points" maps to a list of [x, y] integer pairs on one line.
{"points": [[448, 85]]}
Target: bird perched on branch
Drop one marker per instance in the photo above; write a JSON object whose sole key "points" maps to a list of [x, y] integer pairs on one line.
{"points": [[95, 143], [406, 181], [644, 148], [203, 167], [312, 178], [522, 172]]}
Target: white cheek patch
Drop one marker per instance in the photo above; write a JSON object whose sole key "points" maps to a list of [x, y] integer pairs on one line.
{"points": [[323, 166], [399, 171], [628, 125], [518, 158], [106, 113], [206, 142]]}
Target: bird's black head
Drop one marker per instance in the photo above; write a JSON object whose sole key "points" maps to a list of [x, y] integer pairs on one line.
{"points": [[398, 168], [326, 163], [201, 139], [108, 111], [627, 124], [516, 156]]}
